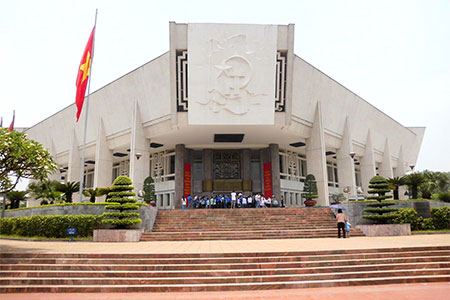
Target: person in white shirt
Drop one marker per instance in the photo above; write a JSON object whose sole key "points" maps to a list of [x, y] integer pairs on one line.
{"points": [[263, 201], [258, 200], [250, 201], [244, 202], [268, 202], [233, 199]]}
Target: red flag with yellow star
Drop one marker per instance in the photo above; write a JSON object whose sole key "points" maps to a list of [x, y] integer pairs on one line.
{"points": [[83, 74]]}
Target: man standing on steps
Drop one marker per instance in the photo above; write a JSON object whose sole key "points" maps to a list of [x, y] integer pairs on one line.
{"points": [[233, 199], [341, 219]]}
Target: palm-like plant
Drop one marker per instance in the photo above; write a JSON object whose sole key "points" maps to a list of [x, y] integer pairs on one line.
{"points": [[15, 197], [94, 193], [413, 181], [45, 190], [395, 183], [68, 189]]}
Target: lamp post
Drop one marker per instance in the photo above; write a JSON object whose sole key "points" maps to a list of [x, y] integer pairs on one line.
{"points": [[352, 155]]}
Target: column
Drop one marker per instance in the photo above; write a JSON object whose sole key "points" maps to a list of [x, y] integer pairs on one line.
{"points": [[315, 157], [180, 153], [386, 163], [400, 171], [274, 151], [74, 170], [367, 164], [345, 163], [103, 161], [246, 170], [57, 174], [207, 159], [139, 151]]}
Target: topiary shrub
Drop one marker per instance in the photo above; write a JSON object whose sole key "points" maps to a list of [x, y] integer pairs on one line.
{"points": [[441, 217], [378, 187], [50, 226], [149, 190], [121, 199], [310, 190]]}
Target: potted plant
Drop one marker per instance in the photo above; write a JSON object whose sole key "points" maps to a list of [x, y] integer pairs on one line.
{"points": [[310, 191], [149, 191]]}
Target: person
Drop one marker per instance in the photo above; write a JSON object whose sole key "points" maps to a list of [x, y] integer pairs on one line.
{"points": [[348, 226], [244, 202], [282, 201], [183, 203], [249, 201], [341, 219], [233, 199], [274, 201], [258, 200]]}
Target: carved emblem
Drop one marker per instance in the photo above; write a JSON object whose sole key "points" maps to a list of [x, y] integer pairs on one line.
{"points": [[230, 73]]}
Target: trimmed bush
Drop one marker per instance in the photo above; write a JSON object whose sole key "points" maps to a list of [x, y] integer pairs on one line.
{"points": [[50, 226], [444, 197], [441, 217], [408, 215], [120, 199], [378, 187]]}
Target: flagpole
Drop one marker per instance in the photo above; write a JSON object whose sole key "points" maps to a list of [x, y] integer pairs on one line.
{"points": [[83, 151]]}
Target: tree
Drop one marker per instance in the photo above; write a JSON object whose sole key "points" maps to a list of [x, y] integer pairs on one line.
{"points": [[68, 189], [22, 158], [121, 198], [94, 193], [413, 181], [15, 197], [378, 187], [149, 190], [310, 188], [45, 190], [395, 183]]}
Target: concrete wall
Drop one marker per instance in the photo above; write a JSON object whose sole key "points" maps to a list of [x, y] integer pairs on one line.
{"points": [[147, 213], [354, 210]]}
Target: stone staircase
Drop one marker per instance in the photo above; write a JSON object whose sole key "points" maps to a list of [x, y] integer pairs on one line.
{"points": [[243, 224], [63, 273]]}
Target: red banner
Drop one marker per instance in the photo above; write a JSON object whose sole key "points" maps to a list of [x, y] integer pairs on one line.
{"points": [[187, 180], [267, 180]]}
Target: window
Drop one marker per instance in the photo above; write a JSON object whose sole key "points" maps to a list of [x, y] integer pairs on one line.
{"points": [[332, 174]]}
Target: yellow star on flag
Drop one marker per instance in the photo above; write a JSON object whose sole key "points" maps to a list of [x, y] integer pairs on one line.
{"points": [[86, 67]]}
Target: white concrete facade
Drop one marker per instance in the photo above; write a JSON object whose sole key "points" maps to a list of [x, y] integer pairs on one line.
{"points": [[136, 122]]}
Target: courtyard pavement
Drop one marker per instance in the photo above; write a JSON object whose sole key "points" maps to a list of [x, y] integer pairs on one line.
{"points": [[423, 291]]}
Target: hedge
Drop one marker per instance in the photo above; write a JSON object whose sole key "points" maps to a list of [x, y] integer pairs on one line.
{"points": [[50, 226], [66, 204], [440, 218]]}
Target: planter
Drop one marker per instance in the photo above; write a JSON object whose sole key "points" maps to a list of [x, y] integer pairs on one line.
{"points": [[310, 203], [117, 235], [385, 229]]}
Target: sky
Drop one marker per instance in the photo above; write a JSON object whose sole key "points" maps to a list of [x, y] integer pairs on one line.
{"points": [[394, 54]]}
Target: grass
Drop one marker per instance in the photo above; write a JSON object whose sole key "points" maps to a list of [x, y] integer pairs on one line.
{"points": [[434, 230], [43, 238]]}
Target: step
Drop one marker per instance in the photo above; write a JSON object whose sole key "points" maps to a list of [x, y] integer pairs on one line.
{"points": [[221, 286]]}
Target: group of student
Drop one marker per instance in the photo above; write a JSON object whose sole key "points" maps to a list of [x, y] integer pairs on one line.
{"points": [[232, 200]]}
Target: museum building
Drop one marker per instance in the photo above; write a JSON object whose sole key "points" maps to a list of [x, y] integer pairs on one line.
{"points": [[230, 107]]}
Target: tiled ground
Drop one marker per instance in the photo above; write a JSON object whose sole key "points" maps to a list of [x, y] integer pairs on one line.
{"points": [[226, 246]]}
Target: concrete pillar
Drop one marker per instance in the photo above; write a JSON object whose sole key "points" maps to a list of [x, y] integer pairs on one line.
{"points": [[180, 153], [73, 172], [315, 157], [74, 167], [367, 164], [386, 163], [103, 161], [139, 151], [345, 163], [289, 73], [246, 169], [57, 174], [208, 168], [274, 151], [400, 171]]}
